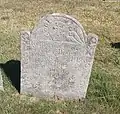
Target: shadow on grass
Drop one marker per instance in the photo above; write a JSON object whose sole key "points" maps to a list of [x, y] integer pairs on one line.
{"points": [[12, 71], [115, 45]]}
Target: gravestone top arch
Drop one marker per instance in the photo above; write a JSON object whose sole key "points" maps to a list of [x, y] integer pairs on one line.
{"points": [[56, 58]]}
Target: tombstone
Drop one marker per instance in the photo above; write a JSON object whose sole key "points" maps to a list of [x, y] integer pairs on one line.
{"points": [[56, 58], [1, 81]]}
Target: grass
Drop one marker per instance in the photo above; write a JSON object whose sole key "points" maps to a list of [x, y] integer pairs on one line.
{"points": [[96, 16]]}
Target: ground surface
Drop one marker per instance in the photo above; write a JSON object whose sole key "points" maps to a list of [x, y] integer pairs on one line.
{"points": [[99, 17]]}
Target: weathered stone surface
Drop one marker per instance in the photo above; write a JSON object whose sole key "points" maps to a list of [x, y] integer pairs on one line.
{"points": [[57, 58], [1, 81]]}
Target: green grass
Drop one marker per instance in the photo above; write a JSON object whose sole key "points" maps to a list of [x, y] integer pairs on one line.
{"points": [[96, 16]]}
